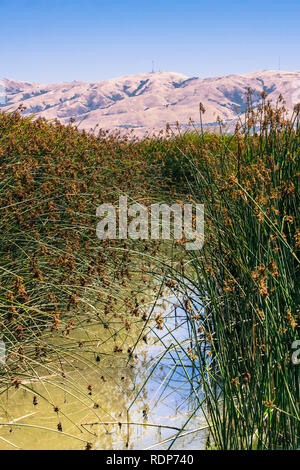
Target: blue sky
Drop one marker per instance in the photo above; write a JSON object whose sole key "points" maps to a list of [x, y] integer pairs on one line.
{"points": [[51, 40]]}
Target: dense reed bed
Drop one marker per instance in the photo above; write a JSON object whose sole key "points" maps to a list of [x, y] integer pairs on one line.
{"points": [[56, 277], [247, 280]]}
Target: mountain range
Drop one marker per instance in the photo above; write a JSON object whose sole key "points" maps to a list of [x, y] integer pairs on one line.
{"points": [[147, 102]]}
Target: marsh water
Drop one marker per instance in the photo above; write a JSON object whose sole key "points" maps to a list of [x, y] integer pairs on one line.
{"points": [[104, 396]]}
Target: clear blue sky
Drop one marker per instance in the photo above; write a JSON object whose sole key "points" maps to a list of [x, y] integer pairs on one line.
{"points": [[52, 40]]}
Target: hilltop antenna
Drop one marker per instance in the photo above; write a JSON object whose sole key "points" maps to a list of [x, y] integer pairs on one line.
{"points": [[279, 63], [152, 66]]}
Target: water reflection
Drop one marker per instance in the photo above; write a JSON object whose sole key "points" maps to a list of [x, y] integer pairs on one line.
{"points": [[157, 389]]}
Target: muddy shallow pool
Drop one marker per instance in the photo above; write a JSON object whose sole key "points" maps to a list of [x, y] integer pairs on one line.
{"points": [[104, 396]]}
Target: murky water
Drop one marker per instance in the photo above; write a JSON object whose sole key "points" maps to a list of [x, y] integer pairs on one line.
{"points": [[112, 400]]}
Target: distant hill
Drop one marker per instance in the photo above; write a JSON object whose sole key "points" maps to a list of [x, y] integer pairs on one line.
{"points": [[148, 101]]}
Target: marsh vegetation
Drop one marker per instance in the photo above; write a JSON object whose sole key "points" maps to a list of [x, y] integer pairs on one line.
{"points": [[82, 319]]}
